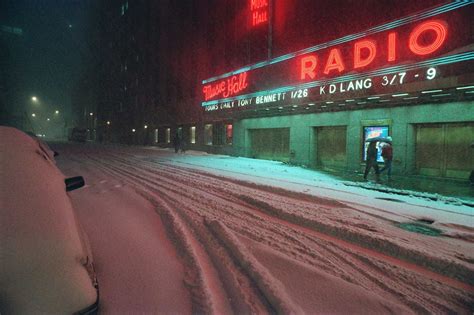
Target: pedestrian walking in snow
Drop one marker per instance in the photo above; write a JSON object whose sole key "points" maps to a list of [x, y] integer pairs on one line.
{"points": [[387, 155], [176, 143], [183, 146], [371, 161]]}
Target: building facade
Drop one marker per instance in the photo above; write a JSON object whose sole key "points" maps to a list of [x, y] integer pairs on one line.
{"points": [[307, 82]]}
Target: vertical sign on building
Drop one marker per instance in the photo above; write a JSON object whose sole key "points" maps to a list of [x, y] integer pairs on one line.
{"points": [[258, 12]]}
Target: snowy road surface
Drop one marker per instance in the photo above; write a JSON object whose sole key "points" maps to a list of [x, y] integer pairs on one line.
{"points": [[198, 233]]}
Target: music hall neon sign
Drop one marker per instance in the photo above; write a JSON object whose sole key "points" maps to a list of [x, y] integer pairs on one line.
{"points": [[226, 88], [365, 51], [258, 10]]}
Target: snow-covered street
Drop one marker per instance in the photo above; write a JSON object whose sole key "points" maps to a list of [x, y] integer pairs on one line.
{"points": [[198, 233]]}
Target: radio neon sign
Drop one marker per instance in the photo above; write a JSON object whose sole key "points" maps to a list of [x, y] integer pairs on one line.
{"points": [[425, 39]]}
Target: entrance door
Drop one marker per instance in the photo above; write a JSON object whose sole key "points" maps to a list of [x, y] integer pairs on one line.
{"points": [[270, 144], [331, 147], [444, 150]]}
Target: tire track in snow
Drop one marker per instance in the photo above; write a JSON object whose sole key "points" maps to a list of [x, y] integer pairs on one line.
{"points": [[298, 218], [385, 246], [214, 298], [122, 167]]}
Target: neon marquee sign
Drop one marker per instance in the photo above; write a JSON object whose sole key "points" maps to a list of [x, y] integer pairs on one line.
{"points": [[412, 52]]}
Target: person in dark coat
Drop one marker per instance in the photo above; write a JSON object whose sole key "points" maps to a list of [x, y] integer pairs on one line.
{"points": [[371, 161], [387, 155], [182, 146], [176, 142]]}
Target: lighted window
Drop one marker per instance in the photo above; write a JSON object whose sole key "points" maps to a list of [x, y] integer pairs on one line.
{"points": [[228, 134], [208, 134], [192, 134], [168, 135], [156, 136]]}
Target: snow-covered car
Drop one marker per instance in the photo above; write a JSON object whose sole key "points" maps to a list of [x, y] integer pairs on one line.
{"points": [[45, 257]]}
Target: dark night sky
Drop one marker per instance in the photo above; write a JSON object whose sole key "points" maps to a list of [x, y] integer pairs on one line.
{"points": [[50, 56]]}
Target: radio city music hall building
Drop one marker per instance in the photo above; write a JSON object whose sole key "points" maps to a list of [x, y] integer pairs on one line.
{"points": [[300, 81], [333, 73]]}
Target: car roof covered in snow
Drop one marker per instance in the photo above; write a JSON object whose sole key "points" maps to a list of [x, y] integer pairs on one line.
{"points": [[42, 252]]}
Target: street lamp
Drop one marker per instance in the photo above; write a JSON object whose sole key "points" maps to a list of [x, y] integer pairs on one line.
{"points": [[56, 112], [34, 99], [133, 130], [108, 122], [146, 126], [91, 114], [47, 119], [33, 115]]}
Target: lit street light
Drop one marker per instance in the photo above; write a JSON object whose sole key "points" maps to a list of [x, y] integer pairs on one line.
{"points": [[47, 119], [34, 99], [91, 114], [33, 115], [133, 130], [146, 126], [56, 112], [108, 122]]}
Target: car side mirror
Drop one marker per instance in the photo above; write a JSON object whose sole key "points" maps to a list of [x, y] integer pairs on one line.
{"points": [[73, 183]]}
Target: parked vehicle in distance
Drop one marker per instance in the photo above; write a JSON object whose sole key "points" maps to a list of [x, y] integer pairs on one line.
{"points": [[78, 134], [46, 259]]}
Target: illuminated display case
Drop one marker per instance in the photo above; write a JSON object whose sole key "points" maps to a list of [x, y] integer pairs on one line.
{"points": [[374, 132]]}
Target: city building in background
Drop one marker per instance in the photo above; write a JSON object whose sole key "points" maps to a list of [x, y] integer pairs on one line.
{"points": [[301, 81]]}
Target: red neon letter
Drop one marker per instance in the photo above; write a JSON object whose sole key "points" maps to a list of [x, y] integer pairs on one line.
{"points": [[392, 41], [358, 46], [308, 64], [334, 61], [441, 30]]}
